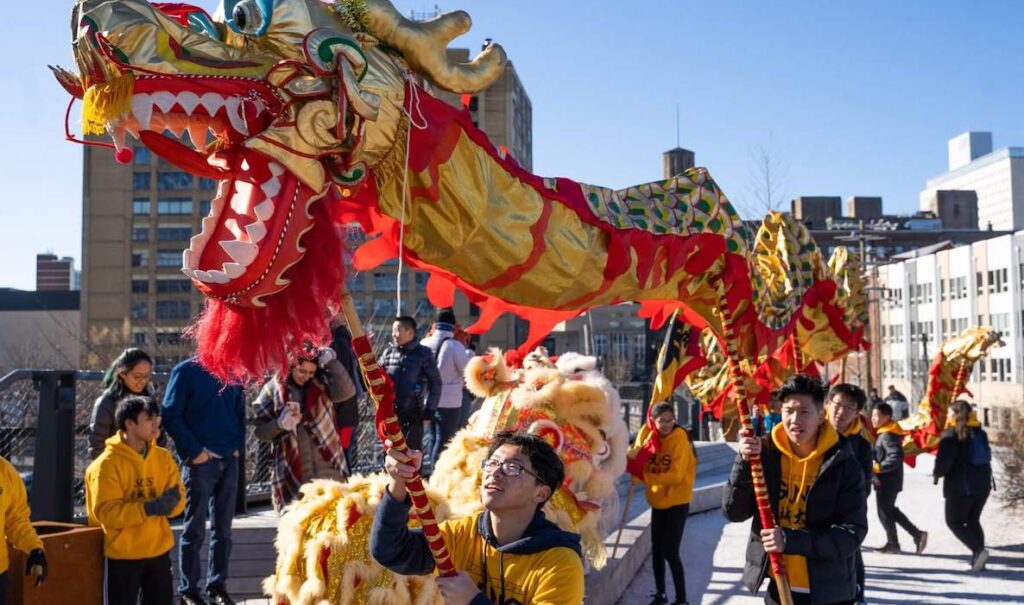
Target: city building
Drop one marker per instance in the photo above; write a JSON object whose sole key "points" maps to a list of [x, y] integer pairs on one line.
{"points": [[922, 301], [54, 274], [997, 178], [40, 328], [137, 219]]}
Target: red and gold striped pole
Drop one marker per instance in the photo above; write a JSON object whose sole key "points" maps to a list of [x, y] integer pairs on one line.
{"points": [[764, 505], [961, 379], [383, 394]]}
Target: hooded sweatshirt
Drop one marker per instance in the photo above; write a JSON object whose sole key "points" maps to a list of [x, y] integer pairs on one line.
{"points": [[798, 475], [117, 485], [670, 472], [14, 514], [543, 567]]}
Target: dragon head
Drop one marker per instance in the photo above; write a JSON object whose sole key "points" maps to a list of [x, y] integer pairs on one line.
{"points": [[286, 103]]}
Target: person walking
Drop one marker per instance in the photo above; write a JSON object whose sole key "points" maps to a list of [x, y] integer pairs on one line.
{"points": [[131, 490], [129, 374], [669, 475], [898, 402], [448, 344], [964, 463], [888, 481], [206, 420], [297, 415], [414, 374], [817, 488]]}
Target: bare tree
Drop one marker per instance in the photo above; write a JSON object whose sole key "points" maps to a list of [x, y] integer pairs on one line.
{"points": [[767, 181]]}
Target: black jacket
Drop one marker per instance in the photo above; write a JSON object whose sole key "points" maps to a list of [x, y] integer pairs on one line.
{"points": [[836, 521], [961, 477], [414, 372], [889, 456], [865, 455]]}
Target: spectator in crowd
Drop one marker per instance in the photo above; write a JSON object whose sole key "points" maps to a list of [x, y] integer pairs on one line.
{"points": [[964, 462], [888, 481], [130, 491], [415, 377], [348, 415], [899, 404], [297, 415], [468, 399], [844, 408], [774, 415], [509, 553], [15, 520], [817, 487], [669, 476], [130, 374], [873, 401], [447, 341], [206, 420]]}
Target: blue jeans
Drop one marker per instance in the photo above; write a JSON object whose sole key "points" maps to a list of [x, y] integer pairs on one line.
{"points": [[444, 426], [211, 490]]}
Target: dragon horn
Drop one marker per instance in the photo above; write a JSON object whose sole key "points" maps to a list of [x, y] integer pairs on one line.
{"points": [[69, 81], [424, 45]]}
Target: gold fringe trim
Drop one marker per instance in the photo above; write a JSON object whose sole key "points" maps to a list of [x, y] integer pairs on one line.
{"points": [[104, 103]]}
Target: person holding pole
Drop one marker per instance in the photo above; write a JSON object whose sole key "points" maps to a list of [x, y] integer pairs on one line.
{"points": [[816, 489], [669, 475]]}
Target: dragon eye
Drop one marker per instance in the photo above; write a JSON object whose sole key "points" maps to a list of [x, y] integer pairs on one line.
{"points": [[247, 17]]}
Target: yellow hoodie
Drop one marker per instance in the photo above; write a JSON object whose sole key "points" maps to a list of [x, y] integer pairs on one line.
{"points": [[117, 485], [14, 514], [670, 472], [798, 475], [857, 427]]}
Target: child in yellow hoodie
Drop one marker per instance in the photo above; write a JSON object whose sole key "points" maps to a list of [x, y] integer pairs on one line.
{"points": [[17, 528], [816, 489], [132, 489], [669, 476]]}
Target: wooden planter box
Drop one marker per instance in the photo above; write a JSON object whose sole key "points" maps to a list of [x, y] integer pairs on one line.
{"points": [[74, 554]]}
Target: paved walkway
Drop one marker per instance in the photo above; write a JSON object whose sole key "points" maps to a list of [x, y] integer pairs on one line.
{"points": [[939, 577]]}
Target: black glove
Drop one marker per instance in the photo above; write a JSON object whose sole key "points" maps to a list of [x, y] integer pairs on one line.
{"points": [[164, 505], [36, 564]]}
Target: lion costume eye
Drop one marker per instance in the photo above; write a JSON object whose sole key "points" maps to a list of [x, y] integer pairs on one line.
{"points": [[248, 17]]}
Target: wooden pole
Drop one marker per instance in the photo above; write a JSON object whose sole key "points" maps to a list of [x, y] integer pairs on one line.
{"points": [[764, 507], [383, 395]]}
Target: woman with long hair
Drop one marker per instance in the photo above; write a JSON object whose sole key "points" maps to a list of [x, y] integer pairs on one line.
{"points": [[669, 476], [129, 374], [964, 460]]}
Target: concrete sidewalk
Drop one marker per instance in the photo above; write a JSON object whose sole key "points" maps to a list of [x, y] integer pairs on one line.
{"points": [[713, 556]]}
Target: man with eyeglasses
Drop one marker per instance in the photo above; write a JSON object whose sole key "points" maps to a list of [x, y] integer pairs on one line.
{"points": [[845, 404], [510, 553]]}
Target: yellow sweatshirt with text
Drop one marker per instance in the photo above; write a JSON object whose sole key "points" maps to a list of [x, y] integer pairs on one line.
{"points": [[670, 472], [117, 485], [798, 475], [14, 515]]}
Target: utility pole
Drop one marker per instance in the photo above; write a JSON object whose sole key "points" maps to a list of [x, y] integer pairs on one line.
{"points": [[861, 237]]}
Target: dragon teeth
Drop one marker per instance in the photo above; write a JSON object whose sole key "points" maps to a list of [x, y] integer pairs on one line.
{"points": [[256, 231], [142, 109], [163, 100], [242, 252], [233, 270], [188, 101], [212, 102], [264, 210]]}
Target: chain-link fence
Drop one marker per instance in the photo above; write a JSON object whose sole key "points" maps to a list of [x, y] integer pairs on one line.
{"points": [[19, 419]]}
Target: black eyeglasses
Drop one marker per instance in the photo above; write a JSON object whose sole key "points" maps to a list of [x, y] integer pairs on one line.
{"points": [[508, 468]]}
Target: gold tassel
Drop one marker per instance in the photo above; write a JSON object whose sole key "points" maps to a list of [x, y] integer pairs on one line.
{"points": [[104, 103]]}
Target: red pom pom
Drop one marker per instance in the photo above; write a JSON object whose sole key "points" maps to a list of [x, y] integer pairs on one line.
{"points": [[124, 155]]}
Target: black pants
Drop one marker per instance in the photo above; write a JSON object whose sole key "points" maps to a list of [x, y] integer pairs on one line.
{"points": [[126, 577], [413, 431], [963, 517], [3, 588], [859, 565], [667, 526], [799, 598], [445, 425], [889, 515]]}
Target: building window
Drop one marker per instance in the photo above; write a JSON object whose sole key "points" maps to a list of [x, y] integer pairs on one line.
{"points": [[204, 207], [384, 308], [140, 286], [421, 280], [140, 309], [140, 258], [1004, 280], [168, 258], [173, 309], [168, 338], [174, 205], [205, 183], [141, 156], [384, 282], [600, 344], [173, 180], [139, 339], [140, 181], [173, 234], [140, 234], [979, 280], [173, 286], [140, 206]]}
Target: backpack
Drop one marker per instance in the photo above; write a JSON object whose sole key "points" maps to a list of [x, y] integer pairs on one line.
{"points": [[978, 451]]}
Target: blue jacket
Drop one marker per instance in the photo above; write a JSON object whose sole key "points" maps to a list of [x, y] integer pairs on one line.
{"points": [[201, 412], [414, 372]]}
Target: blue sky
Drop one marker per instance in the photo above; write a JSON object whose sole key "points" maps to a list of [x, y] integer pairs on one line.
{"points": [[852, 98]]}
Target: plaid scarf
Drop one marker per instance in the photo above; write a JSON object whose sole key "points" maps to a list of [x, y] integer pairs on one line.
{"points": [[317, 420]]}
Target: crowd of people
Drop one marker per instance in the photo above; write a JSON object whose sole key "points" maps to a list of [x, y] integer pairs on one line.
{"points": [[821, 457]]}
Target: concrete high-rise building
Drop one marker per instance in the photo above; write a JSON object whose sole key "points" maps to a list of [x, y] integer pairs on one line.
{"points": [[138, 218], [54, 274], [677, 160], [997, 177]]}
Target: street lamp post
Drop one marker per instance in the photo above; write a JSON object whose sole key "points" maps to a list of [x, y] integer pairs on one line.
{"points": [[862, 237]]}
